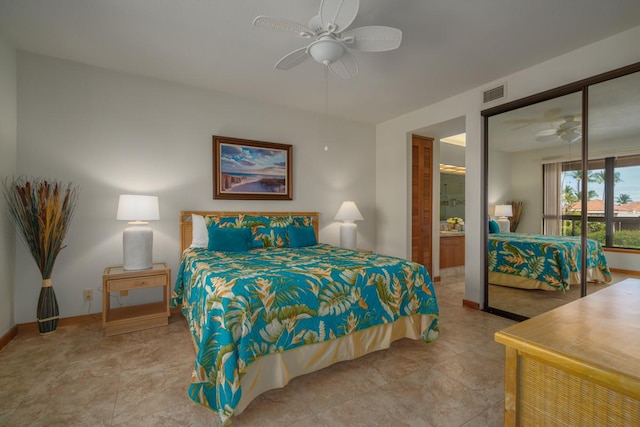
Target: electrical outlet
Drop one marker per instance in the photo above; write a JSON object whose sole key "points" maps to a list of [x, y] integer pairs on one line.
{"points": [[87, 294]]}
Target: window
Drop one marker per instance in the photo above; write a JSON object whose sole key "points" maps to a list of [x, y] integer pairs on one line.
{"points": [[613, 199]]}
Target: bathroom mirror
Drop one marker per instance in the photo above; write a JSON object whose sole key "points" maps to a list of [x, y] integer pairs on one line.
{"points": [[451, 196]]}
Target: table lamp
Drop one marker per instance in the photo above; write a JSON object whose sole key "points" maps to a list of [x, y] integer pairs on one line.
{"points": [[348, 214], [502, 212], [137, 239]]}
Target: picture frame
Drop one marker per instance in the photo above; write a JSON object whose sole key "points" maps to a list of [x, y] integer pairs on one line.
{"points": [[244, 169]]}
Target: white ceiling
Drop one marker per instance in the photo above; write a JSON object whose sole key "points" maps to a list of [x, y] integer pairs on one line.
{"points": [[448, 46]]}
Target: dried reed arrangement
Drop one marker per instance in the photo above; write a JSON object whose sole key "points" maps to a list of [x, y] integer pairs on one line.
{"points": [[516, 207], [42, 210]]}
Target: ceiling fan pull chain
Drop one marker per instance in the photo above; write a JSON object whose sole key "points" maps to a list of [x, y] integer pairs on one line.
{"points": [[326, 107]]}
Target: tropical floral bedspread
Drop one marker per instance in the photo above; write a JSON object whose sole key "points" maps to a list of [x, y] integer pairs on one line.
{"points": [[549, 259], [242, 305]]}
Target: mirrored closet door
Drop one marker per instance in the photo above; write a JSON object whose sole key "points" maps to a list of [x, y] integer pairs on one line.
{"points": [[558, 160]]}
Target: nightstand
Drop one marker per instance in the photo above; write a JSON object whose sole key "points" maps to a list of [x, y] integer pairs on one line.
{"points": [[137, 317]]}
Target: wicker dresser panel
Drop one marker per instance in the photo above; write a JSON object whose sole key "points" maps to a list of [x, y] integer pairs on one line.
{"points": [[551, 397]]}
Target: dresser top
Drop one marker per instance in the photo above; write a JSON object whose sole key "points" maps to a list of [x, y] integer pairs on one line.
{"points": [[600, 331]]}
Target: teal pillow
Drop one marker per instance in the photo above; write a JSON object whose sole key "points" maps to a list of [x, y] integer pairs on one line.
{"points": [[229, 239], [302, 236], [493, 227]]}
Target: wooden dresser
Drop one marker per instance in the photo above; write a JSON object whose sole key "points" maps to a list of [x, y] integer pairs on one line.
{"points": [[577, 365]]}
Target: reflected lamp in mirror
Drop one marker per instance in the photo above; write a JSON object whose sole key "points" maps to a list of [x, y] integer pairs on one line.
{"points": [[503, 212], [348, 214], [137, 238]]}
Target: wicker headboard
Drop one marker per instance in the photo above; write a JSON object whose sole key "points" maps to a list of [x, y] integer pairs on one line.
{"points": [[186, 226]]}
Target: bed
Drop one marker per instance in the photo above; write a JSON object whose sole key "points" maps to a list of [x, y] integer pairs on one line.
{"points": [[288, 306], [533, 261]]}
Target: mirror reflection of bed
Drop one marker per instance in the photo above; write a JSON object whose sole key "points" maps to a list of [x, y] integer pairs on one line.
{"points": [[535, 157]]}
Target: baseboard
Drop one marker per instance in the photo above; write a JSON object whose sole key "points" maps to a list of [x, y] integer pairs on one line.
{"points": [[11, 333], [621, 271], [435, 279], [64, 321], [83, 319], [470, 304]]}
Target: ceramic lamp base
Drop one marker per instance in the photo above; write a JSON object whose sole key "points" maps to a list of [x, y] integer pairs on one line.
{"points": [[504, 224], [348, 234], [137, 244]]}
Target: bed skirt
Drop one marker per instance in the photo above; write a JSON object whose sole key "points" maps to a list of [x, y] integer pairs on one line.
{"points": [[276, 370], [513, 281]]}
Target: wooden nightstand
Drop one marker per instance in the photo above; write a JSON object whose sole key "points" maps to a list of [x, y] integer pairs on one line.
{"points": [[136, 317]]}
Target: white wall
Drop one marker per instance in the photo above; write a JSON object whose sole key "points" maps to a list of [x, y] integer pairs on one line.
{"points": [[116, 133], [392, 176], [8, 140], [500, 174]]}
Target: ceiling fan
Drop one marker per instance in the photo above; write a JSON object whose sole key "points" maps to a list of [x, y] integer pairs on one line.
{"points": [[330, 39], [553, 114], [570, 131]]}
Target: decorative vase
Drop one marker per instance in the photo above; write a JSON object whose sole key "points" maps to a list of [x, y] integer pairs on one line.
{"points": [[47, 313]]}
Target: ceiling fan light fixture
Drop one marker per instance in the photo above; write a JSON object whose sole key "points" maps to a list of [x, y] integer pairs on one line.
{"points": [[326, 50]]}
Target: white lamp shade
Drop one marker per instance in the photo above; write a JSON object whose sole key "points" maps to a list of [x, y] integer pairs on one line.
{"points": [[349, 212], [503, 211], [138, 208]]}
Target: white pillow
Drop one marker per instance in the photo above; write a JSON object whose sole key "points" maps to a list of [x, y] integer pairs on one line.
{"points": [[200, 235]]}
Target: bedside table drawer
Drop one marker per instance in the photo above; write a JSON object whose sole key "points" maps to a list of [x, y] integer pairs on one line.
{"points": [[137, 283]]}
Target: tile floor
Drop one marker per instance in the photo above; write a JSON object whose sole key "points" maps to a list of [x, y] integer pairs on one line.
{"points": [[77, 377]]}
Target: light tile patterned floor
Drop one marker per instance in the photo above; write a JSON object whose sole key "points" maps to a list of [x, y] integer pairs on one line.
{"points": [[78, 377]]}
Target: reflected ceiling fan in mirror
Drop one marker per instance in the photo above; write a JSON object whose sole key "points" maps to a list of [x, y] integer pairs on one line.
{"points": [[570, 131], [549, 116], [331, 41]]}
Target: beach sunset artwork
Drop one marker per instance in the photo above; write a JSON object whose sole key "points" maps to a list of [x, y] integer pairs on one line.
{"points": [[250, 169]]}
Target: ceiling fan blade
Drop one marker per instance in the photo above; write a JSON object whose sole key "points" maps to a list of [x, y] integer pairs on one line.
{"points": [[340, 13], [569, 125], [520, 127], [373, 39], [546, 138], [282, 25], [292, 59], [571, 136], [345, 67], [547, 132]]}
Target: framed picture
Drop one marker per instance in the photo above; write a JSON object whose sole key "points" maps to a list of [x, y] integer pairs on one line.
{"points": [[251, 170]]}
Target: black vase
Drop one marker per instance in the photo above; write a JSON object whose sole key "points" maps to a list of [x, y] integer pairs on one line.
{"points": [[48, 313]]}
